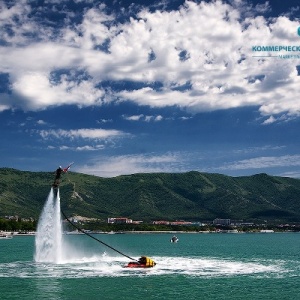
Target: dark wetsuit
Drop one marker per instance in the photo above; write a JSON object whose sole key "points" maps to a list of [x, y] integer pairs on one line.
{"points": [[58, 173], [57, 176]]}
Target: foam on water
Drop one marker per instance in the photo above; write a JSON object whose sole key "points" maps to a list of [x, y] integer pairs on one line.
{"points": [[106, 266]]}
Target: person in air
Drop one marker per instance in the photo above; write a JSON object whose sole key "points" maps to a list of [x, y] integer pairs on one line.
{"points": [[58, 173]]}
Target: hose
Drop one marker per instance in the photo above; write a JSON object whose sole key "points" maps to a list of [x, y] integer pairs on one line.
{"points": [[86, 233]]}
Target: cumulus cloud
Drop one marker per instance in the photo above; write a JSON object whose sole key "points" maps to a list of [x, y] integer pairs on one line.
{"points": [[34, 91], [199, 67]]}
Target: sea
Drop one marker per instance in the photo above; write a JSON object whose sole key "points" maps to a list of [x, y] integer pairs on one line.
{"points": [[200, 266]]}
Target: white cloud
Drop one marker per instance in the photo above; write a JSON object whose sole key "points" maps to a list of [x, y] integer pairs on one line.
{"points": [[41, 122], [295, 174], [133, 118], [91, 134], [13, 17], [252, 150], [64, 148], [280, 119], [104, 121], [3, 106], [90, 148], [264, 162], [158, 118], [34, 91], [142, 117], [270, 120], [206, 44], [131, 164], [79, 148]]}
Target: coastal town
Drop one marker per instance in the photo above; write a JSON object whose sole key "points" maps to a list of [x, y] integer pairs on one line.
{"points": [[13, 225]]}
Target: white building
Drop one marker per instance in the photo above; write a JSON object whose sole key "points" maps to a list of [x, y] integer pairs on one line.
{"points": [[221, 221], [119, 221]]}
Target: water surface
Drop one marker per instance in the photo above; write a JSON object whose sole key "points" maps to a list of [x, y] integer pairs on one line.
{"points": [[199, 266]]}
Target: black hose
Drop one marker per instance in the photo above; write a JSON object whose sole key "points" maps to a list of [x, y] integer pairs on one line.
{"points": [[86, 233]]}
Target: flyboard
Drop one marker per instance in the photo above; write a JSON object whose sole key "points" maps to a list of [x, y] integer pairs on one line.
{"points": [[142, 262]]}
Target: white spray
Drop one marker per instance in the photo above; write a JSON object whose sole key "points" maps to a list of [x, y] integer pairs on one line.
{"points": [[48, 239]]}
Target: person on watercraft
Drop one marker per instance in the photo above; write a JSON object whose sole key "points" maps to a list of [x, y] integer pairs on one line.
{"points": [[174, 239], [146, 261], [143, 262]]}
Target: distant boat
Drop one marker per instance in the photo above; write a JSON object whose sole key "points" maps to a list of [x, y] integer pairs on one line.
{"points": [[174, 239], [5, 236]]}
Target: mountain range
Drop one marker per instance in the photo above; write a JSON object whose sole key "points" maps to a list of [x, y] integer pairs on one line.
{"points": [[191, 196]]}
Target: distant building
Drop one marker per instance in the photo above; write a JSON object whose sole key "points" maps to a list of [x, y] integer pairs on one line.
{"points": [[243, 224], [221, 222], [137, 222], [161, 222], [183, 223], [78, 219], [180, 222], [119, 221], [12, 218]]}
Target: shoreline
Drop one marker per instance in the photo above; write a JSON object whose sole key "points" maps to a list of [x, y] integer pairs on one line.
{"points": [[14, 234]]}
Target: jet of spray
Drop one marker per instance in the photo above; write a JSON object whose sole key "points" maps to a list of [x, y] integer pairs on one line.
{"points": [[48, 239]]}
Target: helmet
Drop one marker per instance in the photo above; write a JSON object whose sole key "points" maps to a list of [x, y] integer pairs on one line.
{"points": [[60, 167]]}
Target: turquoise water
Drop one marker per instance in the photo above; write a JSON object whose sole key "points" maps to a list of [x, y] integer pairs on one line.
{"points": [[199, 266]]}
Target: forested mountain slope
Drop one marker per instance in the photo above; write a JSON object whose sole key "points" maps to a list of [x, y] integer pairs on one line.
{"points": [[168, 196]]}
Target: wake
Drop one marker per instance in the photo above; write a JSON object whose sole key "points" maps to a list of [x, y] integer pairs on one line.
{"points": [[107, 266]]}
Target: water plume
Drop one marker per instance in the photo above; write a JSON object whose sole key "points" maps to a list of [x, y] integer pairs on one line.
{"points": [[48, 239]]}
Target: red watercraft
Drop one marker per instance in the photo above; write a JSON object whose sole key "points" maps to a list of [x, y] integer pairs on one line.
{"points": [[143, 262]]}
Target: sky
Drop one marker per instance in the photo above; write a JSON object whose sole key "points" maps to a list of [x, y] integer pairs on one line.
{"points": [[124, 87]]}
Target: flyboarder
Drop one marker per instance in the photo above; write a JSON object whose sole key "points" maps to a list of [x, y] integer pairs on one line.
{"points": [[58, 173]]}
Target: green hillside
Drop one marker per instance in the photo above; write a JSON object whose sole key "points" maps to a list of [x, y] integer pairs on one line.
{"points": [[168, 196]]}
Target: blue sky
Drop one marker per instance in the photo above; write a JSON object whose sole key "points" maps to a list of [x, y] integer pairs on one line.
{"points": [[122, 87]]}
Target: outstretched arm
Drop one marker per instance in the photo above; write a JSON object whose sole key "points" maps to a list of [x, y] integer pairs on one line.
{"points": [[68, 167]]}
